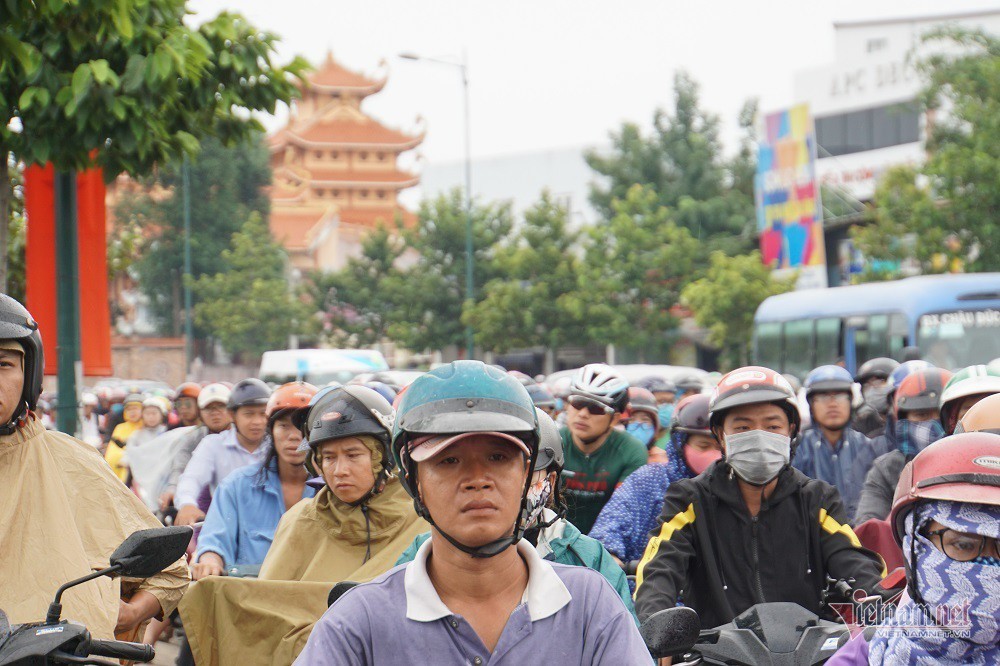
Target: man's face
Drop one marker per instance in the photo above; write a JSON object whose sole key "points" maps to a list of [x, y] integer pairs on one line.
{"points": [[664, 397], [346, 466], [151, 417], [473, 488], [874, 382], [251, 422], [11, 383], [767, 417], [132, 412], [584, 423], [968, 402], [920, 415], [831, 409], [286, 441], [216, 417], [187, 409]]}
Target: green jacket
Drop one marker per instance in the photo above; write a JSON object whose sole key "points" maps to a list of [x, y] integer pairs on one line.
{"points": [[573, 548]]}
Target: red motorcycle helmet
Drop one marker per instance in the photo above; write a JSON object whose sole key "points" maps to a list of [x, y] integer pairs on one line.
{"points": [[921, 390], [753, 385], [287, 398], [642, 400], [960, 468]]}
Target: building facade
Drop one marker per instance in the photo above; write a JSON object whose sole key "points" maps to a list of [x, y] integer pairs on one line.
{"points": [[336, 170]]}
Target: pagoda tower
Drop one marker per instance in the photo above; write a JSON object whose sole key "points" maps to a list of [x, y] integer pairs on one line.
{"points": [[335, 170]]}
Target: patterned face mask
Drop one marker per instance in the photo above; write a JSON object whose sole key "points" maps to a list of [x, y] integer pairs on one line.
{"points": [[912, 437], [538, 498], [962, 599]]}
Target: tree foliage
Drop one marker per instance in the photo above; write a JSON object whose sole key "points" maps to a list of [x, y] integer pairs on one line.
{"points": [[634, 268], [227, 185], [725, 299], [683, 164], [947, 205], [432, 291], [532, 302], [247, 305], [359, 302]]}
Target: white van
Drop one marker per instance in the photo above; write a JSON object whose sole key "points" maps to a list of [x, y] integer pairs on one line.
{"points": [[319, 366]]}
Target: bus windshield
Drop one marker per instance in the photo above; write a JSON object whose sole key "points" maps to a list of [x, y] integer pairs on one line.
{"points": [[960, 338]]}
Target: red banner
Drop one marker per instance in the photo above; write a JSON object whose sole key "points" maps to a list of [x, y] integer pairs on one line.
{"points": [[40, 266]]}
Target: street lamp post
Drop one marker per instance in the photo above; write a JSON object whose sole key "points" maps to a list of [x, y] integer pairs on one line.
{"points": [[463, 67]]}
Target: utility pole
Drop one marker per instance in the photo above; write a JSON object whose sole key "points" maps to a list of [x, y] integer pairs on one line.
{"points": [[67, 301], [188, 323]]}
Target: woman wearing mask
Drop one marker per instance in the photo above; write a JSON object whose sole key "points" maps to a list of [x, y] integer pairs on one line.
{"points": [[915, 426], [642, 421], [627, 519], [946, 517], [555, 538]]}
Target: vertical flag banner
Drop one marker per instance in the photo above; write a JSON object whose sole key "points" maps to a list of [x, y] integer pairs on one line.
{"points": [[789, 212], [40, 265]]}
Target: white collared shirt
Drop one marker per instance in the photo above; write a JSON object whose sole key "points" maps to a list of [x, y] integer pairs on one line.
{"points": [[544, 595]]}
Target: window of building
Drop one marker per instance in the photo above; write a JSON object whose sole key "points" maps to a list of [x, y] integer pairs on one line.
{"points": [[363, 155], [364, 194], [381, 157], [877, 44], [867, 129], [335, 193], [381, 194], [318, 154]]}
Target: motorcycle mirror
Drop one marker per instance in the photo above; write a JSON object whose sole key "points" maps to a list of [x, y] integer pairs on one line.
{"points": [[148, 552], [338, 591], [671, 631]]}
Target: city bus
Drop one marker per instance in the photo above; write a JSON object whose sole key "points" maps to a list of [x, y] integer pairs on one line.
{"points": [[953, 319]]}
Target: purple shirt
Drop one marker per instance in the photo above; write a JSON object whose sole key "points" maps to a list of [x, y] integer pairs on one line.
{"points": [[216, 457], [854, 653], [568, 615]]}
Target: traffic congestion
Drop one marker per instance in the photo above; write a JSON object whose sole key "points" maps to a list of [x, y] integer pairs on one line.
{"points": [[472, 514]]}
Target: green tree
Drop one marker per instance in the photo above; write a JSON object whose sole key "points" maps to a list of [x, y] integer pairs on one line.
{"points": [[530, 304], [634, 268], [432, 291], [227, 185], [948, 204], [682, 162], [15, 233], [725, 299], [246, 305], [359, 302], [126, 84]]}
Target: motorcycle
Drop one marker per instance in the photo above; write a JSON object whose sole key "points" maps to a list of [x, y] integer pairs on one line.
{"points": [[767, 634], [56, 641]]}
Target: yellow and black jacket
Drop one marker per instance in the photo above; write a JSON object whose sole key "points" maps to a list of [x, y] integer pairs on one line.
{"points": [[709, 553]]}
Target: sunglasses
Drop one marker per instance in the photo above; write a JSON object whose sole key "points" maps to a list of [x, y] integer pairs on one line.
{"points": [[594, 408]]}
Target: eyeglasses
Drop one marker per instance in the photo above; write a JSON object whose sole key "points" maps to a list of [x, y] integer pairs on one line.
{"points": [[594, 408], [962, 546], [831, 397]]}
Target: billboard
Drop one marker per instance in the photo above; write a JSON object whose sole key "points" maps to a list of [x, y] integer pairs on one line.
{"points": [[789, 212]]}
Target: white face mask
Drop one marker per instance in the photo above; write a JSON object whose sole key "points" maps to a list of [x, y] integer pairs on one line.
{"points": [[757, 456]]}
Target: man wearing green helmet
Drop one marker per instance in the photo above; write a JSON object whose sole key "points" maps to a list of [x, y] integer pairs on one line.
{"points": [[464, 441], [967, 387]]}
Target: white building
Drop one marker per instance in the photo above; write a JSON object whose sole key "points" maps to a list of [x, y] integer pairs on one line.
{"points": [[862, 102]]}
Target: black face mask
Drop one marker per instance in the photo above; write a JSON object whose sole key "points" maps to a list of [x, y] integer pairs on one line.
{"points": [[878, 398]]}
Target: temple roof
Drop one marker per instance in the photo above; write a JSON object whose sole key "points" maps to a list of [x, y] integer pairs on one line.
{"points": [[347, 178], [361, 132], [291, 227], [332, 77]]}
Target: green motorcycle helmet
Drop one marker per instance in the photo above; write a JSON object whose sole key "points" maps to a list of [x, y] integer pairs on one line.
{"points": [[981, 380], [461, 397]]}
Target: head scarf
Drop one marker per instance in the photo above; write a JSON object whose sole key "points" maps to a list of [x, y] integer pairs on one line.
{"points": [[970, 590], [676, 463]]}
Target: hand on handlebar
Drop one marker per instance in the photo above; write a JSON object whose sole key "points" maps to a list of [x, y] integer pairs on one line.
{"points": [[188, 515], [166, 499], [209, 564]]}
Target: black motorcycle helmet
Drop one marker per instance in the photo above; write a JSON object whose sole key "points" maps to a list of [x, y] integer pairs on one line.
{"points": [[876, 368], [16, 323], [348, 411], [248, 392]]}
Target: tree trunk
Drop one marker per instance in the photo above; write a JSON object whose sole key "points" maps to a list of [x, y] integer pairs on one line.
{"points": [[6, 193]]}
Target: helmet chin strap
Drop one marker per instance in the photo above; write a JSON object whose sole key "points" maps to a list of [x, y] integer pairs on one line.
{"points": [[16, 420], [491, 549]]}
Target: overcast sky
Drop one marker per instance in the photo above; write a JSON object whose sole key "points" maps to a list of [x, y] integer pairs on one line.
{"points": [[559, 73]]}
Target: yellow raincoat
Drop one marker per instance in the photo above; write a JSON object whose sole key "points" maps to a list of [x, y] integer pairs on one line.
{"points": [[115, 451], [319, 542], [62, 513]]}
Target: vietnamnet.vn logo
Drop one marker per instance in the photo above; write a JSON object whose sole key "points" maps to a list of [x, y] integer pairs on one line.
{"points": [[911, 619]]}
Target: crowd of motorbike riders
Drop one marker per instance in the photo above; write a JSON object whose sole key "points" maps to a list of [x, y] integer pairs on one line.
{"points": [[536, 522]]}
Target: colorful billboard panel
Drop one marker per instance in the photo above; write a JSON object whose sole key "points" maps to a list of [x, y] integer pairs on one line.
{"points": [[789, 212]]}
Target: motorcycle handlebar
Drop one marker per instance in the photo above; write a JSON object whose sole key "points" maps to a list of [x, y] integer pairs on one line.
{"points": [[122, 650]]}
